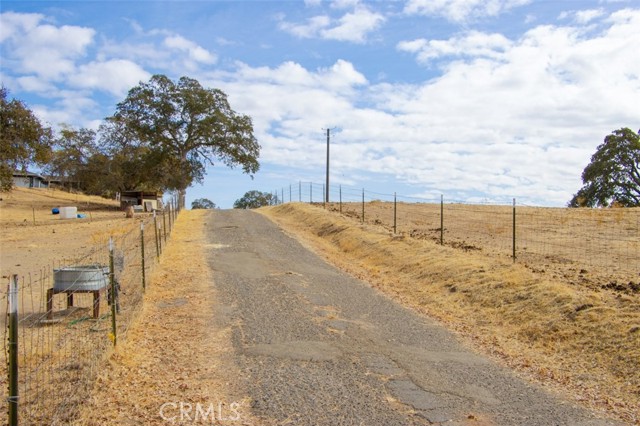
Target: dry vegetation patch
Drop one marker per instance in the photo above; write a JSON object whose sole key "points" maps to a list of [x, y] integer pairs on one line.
{"points": [[579, 339], [173, 353]]}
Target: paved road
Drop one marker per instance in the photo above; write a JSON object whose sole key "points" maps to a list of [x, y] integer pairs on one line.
{"points": [[317, 347]]}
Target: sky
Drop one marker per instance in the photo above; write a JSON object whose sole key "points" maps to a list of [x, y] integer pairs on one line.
{"points": [[475, 100]]}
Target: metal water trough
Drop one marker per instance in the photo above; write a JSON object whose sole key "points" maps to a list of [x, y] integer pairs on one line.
{"points": [[80, 278]]}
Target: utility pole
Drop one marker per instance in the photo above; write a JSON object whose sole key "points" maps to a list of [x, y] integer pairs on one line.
{"points": [[326, 198]]}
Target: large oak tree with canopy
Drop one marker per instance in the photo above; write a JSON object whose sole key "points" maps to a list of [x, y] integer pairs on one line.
{"points": [[176, 129]]}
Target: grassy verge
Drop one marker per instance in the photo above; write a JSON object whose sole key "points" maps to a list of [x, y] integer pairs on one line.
{"points": [[173, 354], [583, 342]]}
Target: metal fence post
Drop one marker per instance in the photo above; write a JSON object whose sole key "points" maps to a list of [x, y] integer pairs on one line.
{"points": [[168, 207], [340, 199], [395, 214], [310, 192], [441, 219], [12, 400], [114, 296], [300, 191], [514, 230], [362, 205], [155, 227], [164, 226], [144, 282]]}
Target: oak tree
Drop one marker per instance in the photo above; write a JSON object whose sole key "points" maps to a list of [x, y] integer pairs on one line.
{"points": [[181, 127], [613, 175], [23, 139], [253, 200]]}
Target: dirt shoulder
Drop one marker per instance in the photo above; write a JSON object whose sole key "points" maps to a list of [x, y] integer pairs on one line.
{"points": [[175, 365], [582, 343]]}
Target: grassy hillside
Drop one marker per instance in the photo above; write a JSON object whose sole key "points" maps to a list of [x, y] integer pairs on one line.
{"points": [[22, 204], [583, 340]]}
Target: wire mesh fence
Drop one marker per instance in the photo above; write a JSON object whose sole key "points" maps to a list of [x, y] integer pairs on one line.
{"points": [[61, 319], [594, 247]]}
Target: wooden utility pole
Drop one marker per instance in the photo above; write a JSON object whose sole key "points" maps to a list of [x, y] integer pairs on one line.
{"points": [[326, 198]]}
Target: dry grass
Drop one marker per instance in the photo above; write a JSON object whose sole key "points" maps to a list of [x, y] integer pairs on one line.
{"points": [[582, 340], [592, 247], [21, 205], [60, 358], [173, 352]]}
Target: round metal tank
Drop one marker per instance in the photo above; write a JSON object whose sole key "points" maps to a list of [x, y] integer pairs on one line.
{"points": [[80, 278]]}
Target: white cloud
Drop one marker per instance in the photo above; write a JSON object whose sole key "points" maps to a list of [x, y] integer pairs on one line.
{"points": [[43, 49], [344, 4], [194, 52], [115, 76], [16, 24], [461, 10], [352, 26], [472, 44], [309, 30], [582, 17], [517, 117]]}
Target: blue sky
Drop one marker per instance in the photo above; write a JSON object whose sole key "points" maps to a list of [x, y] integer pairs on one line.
{"points": [[479, 100]]}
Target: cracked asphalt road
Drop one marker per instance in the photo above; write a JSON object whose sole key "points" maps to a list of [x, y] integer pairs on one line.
{"points": [[318, 347]]}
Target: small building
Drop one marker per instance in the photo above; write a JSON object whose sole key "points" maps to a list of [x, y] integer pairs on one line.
{"points": [[147, 201], [29, 180]]}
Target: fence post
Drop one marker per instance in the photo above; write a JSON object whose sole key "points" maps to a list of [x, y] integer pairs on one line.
{"points": [[514, 230], [168, 207], [282, 202], [395, 214], [310, 192], [324, 197], [362, 205], [164, 227], [300, 191], [12, 400], [114, 294], [34, 215], [441, 219], [290, 193], [155, 227], [340, 199], [144, 278]]}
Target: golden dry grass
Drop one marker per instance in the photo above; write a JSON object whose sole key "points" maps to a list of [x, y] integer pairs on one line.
{"points": [[580, 340], [22, 205], [59, 358], [173, 352]]}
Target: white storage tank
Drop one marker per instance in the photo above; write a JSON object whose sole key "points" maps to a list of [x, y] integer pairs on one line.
{"points": [[68, 212]]}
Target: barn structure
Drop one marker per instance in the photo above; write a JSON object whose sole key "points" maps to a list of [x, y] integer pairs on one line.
{"points": [[147, 201]]}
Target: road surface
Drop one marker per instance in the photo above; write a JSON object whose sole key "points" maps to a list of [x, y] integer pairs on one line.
{"points": [[318, 347]]}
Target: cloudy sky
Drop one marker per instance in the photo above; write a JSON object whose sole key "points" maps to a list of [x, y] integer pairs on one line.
{"points": [[479, 100]]}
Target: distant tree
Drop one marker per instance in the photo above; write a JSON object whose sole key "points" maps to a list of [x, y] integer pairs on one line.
{"points": [[613, 176], [73, 150], [180, 128], [203, 203], [23, 139], [253, 200]]}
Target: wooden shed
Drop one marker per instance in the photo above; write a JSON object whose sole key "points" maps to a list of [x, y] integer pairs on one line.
{"points": [[147, 201]]}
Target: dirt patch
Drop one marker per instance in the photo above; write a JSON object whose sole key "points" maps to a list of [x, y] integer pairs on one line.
{"points": [[26, 246]]}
